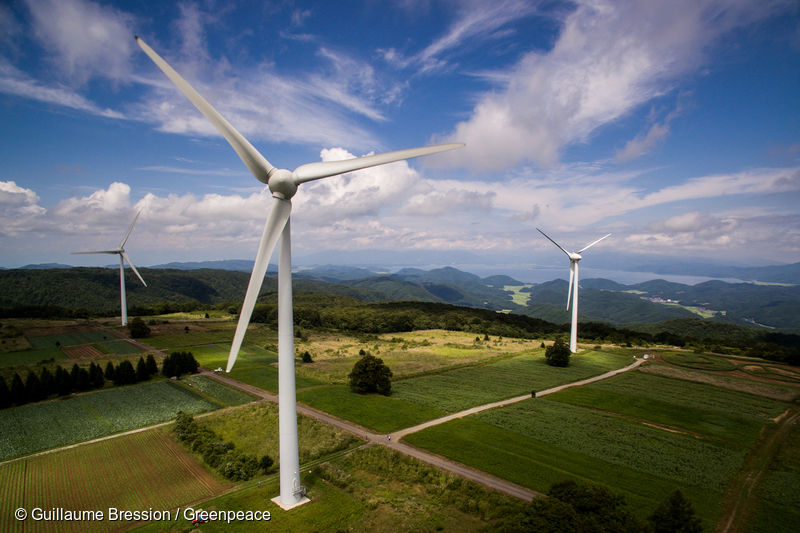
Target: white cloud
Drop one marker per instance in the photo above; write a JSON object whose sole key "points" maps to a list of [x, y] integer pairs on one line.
{"points": [[609, 58], [17, 83], [85, 39]]}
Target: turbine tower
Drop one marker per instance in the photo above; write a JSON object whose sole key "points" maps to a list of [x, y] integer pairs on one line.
{"points": [[122, 258], [574, 257], [283, 185]]}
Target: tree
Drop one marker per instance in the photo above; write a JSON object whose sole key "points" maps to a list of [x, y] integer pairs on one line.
{"points": [[124, 374], [307, 357], [370, 374], [675, 515], [48, 382], [5, 394], [96, 376], [141, 370], [557, 354], [152, 367], [34, 387], [109, 373], [266, 463], [63, 383], [138, 329], [19, 395]]}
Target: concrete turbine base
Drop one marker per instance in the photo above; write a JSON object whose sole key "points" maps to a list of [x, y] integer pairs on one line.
{"points": [[279, 503]]}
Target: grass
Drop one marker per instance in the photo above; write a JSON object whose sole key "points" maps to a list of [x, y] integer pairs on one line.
{"points": [[690, 395], [519, 298], [468, 387], [376, 412], [698, 361], [68, 339], [193, 338], [537, 465], [779, 495], [254, 430], [217, 390], [119, 347], [30, 357], [731, 429], [371, 489]]}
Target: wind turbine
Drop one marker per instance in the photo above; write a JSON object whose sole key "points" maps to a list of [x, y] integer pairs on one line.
{"points": [[122, 258], [574, 257], [283, 185]]}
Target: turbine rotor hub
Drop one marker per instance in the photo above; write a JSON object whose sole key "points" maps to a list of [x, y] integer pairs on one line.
{"points": [[575, 256], [282, 182]]}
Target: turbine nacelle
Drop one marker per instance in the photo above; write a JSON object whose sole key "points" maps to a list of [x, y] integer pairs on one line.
{"points": [[575, 257], [282, 182]]}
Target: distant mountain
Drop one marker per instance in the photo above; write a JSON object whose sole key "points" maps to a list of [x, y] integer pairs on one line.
{"points": [[389, 258], [767, 274], [239, 265], [43, 266], [333, 273]]}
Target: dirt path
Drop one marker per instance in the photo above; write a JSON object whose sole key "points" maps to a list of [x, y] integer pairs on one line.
{"points": [[477, 476], [739, 507]]}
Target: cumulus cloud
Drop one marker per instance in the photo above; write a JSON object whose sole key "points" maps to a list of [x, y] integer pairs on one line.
{"points": [[610, 58], [83, 38]]}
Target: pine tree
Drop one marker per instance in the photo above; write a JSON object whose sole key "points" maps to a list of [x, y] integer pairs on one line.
{"points": [[152, 367], [5, 394], [96, 376], [48, 383], [19, 395], [141, 371], [34, 387], [124, 374], [675, 515], [109, 373], [63, 383]]}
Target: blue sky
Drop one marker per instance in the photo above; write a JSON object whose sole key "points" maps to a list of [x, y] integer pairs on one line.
{"points": [[674, 126]]}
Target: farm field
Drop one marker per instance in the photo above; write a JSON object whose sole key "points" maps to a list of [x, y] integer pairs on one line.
{"points": [[70, 339], [36, 427], [477, 385], [780, 492], [371, 489], [136, 472], [376, 412]]}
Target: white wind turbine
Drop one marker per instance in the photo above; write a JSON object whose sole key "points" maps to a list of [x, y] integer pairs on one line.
{"points": [[283, 185], [574, 257], [122, 258]]}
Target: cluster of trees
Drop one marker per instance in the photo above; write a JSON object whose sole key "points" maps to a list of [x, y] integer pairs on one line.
{"points": [[178, 363], [577, 508], [59, 382], [370, 374], [216, 452], [125, 374]]}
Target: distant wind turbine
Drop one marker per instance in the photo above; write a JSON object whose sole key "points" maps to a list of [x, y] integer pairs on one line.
{"points": [[283, 186], [574, 257], [122, 258]]}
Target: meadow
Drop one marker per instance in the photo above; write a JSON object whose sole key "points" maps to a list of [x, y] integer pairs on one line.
{"points": [[780, 492], [35, 427], [477, 385], [373, 411], [141, 471]]}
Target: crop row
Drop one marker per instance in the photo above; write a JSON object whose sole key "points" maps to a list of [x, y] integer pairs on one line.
{"points": [[138, 471], [467, 387], [674, 456], [70, 339], [36, 427], [194, 338], [217, 390], [695, 395]]}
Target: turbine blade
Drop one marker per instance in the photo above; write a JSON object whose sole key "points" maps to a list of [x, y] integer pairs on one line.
{"points": [[254, 161], [114, 252], [278, 215], [571, 276], [595, 242], [315, 171], [128, 259], [125, 239], [554, 242]]}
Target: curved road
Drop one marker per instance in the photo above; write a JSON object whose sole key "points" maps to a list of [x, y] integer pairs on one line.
{"points": [[464, 471]]}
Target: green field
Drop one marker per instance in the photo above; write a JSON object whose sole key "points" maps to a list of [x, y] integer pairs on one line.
{"points": [[217, 390], [193, 338], [69, 339], [36, 427], [30, 357], [133, 472], [731, 429], [373, 411], [780, 492], [698, 361], [468, 387], [691, 395], [119, 347]]}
